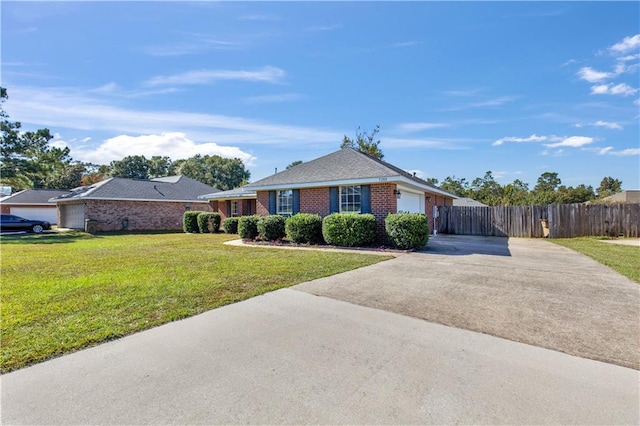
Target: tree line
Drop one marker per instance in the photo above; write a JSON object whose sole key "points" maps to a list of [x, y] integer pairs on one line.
{"points": [[548, 190], [29, 160]]}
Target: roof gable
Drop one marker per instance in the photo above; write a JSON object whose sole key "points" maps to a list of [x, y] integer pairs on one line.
{"points": [[343, 165], [172, 188]]}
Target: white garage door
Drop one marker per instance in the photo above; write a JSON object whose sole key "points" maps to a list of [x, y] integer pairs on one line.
{"points": [[410, 202], [72, 216], [50, 214]]}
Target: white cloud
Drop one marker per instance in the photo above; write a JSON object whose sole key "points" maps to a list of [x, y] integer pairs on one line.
{"points": [[628, 43], [624, 153], [600, 123], [572, 141], [284, 97], [621, 89], [593, 76], [77, 109], [629, 57], [417, 127], [481, 104], [532, 138], [175, 145], [199, 45], [266, 74], [607, 124]]}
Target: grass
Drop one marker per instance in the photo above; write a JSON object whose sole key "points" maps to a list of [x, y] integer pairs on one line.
{"points": [[621, 258], [68, 291]]}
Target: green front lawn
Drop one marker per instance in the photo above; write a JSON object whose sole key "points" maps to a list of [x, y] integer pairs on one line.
{"points": [[64, 292], [621, 258]]}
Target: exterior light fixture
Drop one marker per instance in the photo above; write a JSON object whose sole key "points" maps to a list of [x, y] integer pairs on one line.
{"points": [[397, 193], [428, 199]]}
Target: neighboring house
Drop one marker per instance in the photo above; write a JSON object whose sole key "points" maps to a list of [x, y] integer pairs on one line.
{"points": [[343, 181], [119, 204], [467, 202], [33, 204], [630, 196]]}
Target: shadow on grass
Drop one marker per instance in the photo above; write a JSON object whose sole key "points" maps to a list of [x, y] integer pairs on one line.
{"points": [[45, 238]]}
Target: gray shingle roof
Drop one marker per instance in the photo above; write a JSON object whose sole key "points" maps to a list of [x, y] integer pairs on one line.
{"points": [[172, 188], [34, 196], [344, 164]]}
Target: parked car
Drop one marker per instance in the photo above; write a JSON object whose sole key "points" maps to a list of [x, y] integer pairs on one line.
{"points": [[9, 222]]}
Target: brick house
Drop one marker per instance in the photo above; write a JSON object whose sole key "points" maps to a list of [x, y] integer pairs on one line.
{"points": [[119, 204], [343, 181], [33, 204]]}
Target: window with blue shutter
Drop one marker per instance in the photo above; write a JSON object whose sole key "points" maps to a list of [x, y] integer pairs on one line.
{"points": [[296, 201], [272, 202], [334, 200], [365, 199]]}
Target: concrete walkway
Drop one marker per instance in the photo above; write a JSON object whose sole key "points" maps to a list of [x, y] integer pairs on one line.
{"points": [[289, 357]]}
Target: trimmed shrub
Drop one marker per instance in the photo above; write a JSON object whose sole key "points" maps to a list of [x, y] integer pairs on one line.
{"points": [[304, 228], [208, 222], [190, 222], [271, 228], [230, 225], [248, 227], [407, 230], [349, 229]]}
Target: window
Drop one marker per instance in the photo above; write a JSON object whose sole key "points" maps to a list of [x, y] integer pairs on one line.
{"points": [[350, 199], [284, 202], [234, 208]]}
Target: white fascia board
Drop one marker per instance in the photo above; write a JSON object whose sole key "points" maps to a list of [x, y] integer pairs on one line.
{"points": [[215, 197], [362, 181], [425, 188]]}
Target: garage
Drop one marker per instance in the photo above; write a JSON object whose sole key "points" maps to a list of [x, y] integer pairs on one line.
{"points": [[71, 216], [49, 214], [411, 202]]}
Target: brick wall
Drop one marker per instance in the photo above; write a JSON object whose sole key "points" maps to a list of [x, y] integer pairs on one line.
{"points": [[262, 203], [383, 202], [315, 200], [139, 215]]}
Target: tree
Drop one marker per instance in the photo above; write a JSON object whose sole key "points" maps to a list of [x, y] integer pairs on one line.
{"points": [[487, 190], [609, 186], [214, 170], [579, 194], [364, 142], [295, 163], [132, 167], [29, 160], [545, 190], [459, 187], [515, 194], [160, 166], [432, 181]]}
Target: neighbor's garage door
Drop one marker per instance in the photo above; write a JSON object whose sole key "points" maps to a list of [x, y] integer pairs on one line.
{"points": [[411, 202], [37, 213], [71, 216]]}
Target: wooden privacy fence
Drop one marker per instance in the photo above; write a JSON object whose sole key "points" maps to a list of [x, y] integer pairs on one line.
{"points": [[565, 220]]}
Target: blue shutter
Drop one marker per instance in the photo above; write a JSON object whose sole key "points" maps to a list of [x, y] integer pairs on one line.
{"points": [[296, 201], [365, 199], [272, 202], [228, 208], [334, 202]]}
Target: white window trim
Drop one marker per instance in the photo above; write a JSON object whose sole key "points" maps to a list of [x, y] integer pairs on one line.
{"points": [[278, 204], [234, 208], [340, 198]]}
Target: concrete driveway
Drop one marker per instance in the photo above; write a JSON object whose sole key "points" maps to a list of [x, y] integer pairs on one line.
{"points": [[291, 357], [526, 290]]}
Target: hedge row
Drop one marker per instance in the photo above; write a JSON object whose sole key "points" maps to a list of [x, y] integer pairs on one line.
{"points": [[194, 222], [403, 230]]}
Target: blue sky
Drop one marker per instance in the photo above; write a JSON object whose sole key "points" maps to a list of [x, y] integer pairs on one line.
{"points": [[458, 88]]}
